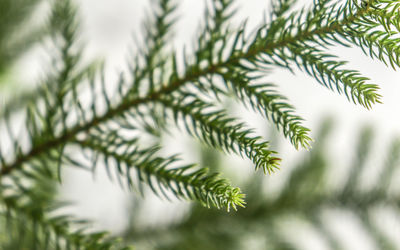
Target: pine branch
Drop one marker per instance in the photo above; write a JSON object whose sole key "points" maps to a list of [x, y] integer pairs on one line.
{"points": [[184, 182], [366, 31], [157, 33], [233, 57], [329, 72], [267, 101], [217, 129], [193, 72], [226, 61]]}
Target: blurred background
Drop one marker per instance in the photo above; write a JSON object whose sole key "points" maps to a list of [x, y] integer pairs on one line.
{"points": [[344, 194]]}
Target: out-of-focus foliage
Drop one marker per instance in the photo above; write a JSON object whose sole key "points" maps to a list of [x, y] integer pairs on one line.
{"points": [[269, 220], [15, 36], [31, 220], [29, 214], [18, 33]]}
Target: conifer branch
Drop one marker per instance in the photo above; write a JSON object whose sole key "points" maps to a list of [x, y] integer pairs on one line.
{"points": [[184, 182], [268, 102], [261, 46], [162, 87], [217, 129], [231, 56], [330, 72], [366, 32]]}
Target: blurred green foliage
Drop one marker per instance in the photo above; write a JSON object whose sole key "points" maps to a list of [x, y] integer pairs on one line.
{"points": [[29, 216], [15, 36], [20, 226]]}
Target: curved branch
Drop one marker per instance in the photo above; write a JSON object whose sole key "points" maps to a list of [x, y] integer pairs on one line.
{"points": [[193, 72]]}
